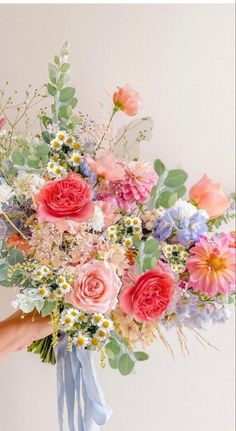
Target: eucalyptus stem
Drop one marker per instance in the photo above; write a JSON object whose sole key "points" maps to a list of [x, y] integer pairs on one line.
{"points": [[107, 128], [12, 224]]}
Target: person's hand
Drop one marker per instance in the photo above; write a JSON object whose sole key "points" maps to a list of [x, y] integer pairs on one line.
{"points": [[19, 330]]}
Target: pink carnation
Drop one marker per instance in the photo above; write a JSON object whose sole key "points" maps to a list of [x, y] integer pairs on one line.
{"points": [[139, 180], [95, 288]]}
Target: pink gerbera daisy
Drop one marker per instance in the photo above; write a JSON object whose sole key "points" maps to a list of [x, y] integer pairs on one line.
{"points": [[212, 265]]}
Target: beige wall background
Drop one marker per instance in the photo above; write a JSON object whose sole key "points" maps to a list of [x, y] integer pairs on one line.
{"points": [[181, 59]]}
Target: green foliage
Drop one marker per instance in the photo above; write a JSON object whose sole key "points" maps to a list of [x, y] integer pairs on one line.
{"points": [[64, 100], [148, 254], [32, 158], [9, 257], [48, 308], [120, 356], [170, 186]]}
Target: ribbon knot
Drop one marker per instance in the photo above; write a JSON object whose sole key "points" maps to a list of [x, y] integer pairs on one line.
{"points": [[77, 381]]}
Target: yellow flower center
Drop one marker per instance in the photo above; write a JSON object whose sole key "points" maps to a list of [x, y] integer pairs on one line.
{"points": [[60, 137], [68, 320], [76, 146], [80, 341], [95, 341], [97, 319], [216, 263], [106, 324]]}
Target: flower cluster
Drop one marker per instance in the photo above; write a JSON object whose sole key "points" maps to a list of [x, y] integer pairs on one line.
{"points": [[107, 245]]}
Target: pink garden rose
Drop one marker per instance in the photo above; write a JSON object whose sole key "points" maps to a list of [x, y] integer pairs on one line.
{"points": [[209, 196], [3, 121], [126, 99], [106, 166], [150, 296], [65, 199], [95, 288]]}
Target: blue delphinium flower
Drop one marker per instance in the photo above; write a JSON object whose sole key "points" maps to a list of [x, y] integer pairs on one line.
{"points": [[183, 220]]}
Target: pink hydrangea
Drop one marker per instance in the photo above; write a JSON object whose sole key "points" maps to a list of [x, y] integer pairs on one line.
{"points": [[137, 184]]}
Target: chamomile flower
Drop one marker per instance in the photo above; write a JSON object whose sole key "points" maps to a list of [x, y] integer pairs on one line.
{"points": [[82, 317], [112, 236], [55, 145], [43, 291], [69, 141], [67, 320], [95, 342], [81, 340], [73, 312], [76, 158], [137, 229], [55, 158], [59, 292], [96, 318], [61, 136], [136, 221], [127, 241], [101, 334], [128, 221], [61, 280], [65, 287], [50, 166], [111, 228], [106, 324], [40, 273], [52, 296], [58, 171], [137, 235], [183, 255]]}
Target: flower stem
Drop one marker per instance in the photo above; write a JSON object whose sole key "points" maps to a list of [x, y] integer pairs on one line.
{"points": [[12, 224], [107, 128]]}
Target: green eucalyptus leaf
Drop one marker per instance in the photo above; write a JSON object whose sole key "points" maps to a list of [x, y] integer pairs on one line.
{"points": [[3, 272], [114, 363], [65, 112], [73, 102], [137, 242], [175, 177], [150, 246], [48, 308], [64, 67], [42, 150], [159, 167], [56, 60], [46, 120], [112, 348], [33, 162], [141, 356], [167, 199], [52, 69], [51, 89], [15, 256], [66, 94], [180, 191], [17, 158], [12, 171], [149, 263], [126, 364], [46, 136]]}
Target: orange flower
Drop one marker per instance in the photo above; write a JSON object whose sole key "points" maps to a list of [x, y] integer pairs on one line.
{"points": [[127, 100], [14, 240], [209, 196]]}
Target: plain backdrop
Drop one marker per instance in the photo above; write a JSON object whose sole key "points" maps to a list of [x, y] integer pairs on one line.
{"points": [[181, 60]]}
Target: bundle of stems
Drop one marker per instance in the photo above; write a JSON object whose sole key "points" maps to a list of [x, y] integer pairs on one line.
{"points": [[44, 348]]}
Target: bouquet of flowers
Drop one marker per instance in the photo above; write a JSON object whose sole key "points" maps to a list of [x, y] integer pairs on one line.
{"points": [[103, 242]]}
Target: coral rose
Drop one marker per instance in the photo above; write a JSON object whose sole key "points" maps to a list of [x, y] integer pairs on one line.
{"points": [[126, 99], [106, 166], [95, 287], [14, 240], [150, 296], [209, 196], [65, 199]]}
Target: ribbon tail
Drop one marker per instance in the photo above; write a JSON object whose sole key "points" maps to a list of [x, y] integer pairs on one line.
{"points": [[59, 351], [76, 370], [96, 411], [69, 389]]}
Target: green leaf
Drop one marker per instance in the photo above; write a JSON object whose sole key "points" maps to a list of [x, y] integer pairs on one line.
{"points": [[17, 158], [73, 102], [180, 191], [167, 199], [42, 150], [3, 272], [46, 120], [15, 256], [65, 112], [159, 167], [114, 363], [51, 89], [126, 364], [52, 69], [56, 60], [175, 177], [48, 308], [150, 246], [141, 356], [64, 67], [46, 137], [12, 171], [149, 263], [112, 348], [66, 94], [137, 242], [33, 162]]}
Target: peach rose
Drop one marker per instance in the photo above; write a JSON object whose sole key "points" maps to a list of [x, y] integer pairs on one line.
{"points": [[126, 99], [150, 295], [209, 196], [95, 288], [106, 166]]}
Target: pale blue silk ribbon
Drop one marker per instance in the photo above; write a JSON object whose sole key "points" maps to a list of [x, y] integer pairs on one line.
{"points": [[77, 382]]}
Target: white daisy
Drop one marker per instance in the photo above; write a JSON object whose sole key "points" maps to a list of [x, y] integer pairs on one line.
{"points": [[75, 158], [127, 241], [61, 136], [56, 145], [81, 340]]}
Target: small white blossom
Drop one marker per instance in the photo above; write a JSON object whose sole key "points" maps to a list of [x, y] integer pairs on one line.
{"points": [[6, 193], [81, 340], [97, 221]]}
